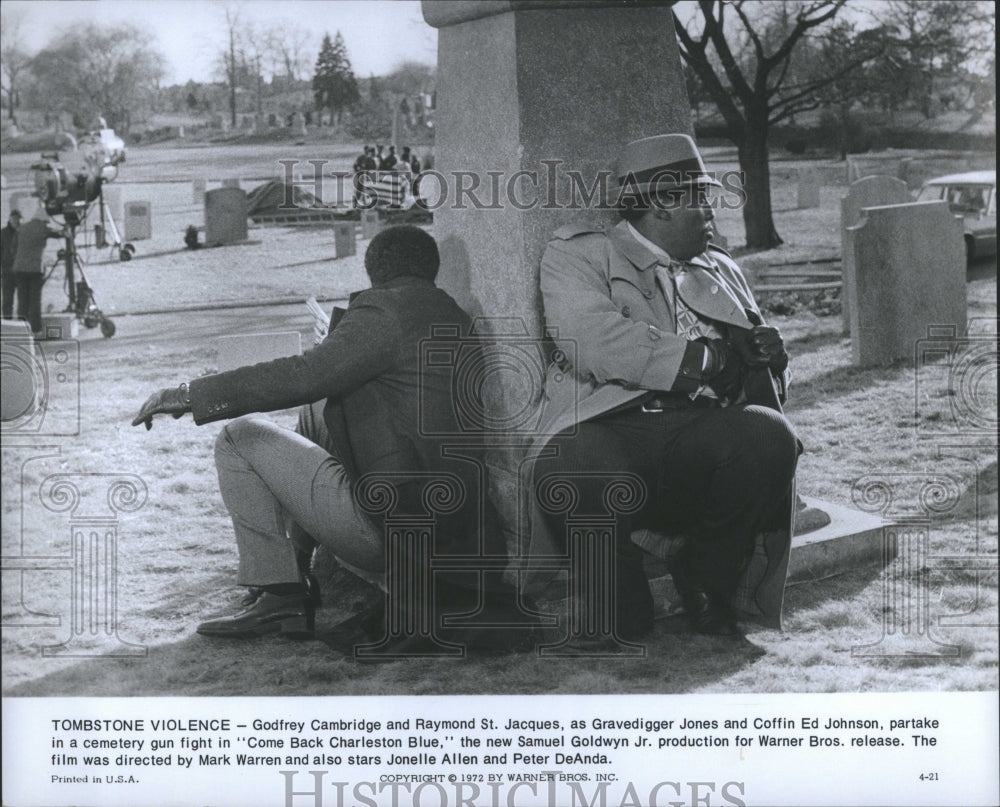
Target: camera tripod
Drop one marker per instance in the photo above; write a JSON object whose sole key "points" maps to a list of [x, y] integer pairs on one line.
{"points": [[81, 297]]}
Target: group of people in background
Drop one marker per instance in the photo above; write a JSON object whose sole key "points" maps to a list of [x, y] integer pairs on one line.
{"points": [[374, 158]]}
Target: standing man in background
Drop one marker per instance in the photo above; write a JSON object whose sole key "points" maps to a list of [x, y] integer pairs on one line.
{"points": [[28, 271], [8, 250]]}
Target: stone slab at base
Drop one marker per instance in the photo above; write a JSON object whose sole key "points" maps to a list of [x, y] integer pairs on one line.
{"points": [[852, 539]]}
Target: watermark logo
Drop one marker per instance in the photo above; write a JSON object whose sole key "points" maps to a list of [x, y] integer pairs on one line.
{"points": [[92, 504], [40, 386], [955, 385], [552, 186]]}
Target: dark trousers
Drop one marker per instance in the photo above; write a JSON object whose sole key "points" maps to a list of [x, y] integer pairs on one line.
{"points": [[715, 475], [29, 299], [7, 294]]}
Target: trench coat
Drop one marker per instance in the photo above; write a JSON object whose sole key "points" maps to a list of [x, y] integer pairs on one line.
{"points": [[615, 336]]}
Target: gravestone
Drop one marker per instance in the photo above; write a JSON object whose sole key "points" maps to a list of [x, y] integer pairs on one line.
{"points": [[138, 224], [872, 191], [344, 239], [24, 202], [198, 188], [225, 216], [239, 350], [909, 266], [809, 185], [371, 223], [231, 182]]}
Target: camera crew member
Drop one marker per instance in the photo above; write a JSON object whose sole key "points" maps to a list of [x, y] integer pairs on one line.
{"points": [[8, 249], [28, 272]]}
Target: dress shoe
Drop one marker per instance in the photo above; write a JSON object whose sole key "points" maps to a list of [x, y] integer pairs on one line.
{"points": [[709, 615], [293, 615], [312, 590]]}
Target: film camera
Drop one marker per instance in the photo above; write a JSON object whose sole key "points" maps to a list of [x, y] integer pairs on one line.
{"points": [[70, 196], [62, 193]]}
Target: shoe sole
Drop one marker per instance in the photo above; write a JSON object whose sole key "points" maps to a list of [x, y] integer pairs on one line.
{"points": [[292, 627]]}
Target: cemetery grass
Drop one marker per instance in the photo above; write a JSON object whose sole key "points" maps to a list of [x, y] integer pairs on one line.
{"points": [[177, 559]]}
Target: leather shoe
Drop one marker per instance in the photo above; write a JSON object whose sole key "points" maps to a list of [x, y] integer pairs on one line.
{"points": [[709, 615], [293, 615], [312, 591]]}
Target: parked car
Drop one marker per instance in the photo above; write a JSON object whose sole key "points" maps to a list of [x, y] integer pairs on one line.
{"points": [[973, 196]]}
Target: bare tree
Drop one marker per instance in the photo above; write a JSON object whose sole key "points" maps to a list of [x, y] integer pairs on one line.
{"points": [[743, 56], [288, 45], [14, 59], [99, 71]]}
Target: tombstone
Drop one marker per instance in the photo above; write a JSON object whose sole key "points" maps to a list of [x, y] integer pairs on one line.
{"points": [[225, 216], [138, 224], [809, 185], [905, 167], [299, 123], [18, 202], [240, 350], [60, 326], [541, 107], [231, 182], [272, 120], [909, 265], [344, 239], [872, 191], [198, 188], [371, 223]]}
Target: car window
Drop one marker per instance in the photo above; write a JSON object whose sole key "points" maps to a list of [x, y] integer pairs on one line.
{"points": [[968, 198], [930, 193]]}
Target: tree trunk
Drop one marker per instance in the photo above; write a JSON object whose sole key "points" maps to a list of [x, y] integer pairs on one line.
{"points": [[757, 216]]}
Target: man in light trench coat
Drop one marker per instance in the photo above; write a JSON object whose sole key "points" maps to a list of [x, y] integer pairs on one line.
{"points": [[671, 376]]}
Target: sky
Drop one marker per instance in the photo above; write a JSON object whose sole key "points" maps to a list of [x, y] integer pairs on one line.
{"points": [[190, 33]]}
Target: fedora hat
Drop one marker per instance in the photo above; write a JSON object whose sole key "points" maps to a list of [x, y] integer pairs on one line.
{"points": [[662, 162]]}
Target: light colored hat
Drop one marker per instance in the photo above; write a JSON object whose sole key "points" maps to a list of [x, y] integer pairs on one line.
{"points": [[662, 162]]}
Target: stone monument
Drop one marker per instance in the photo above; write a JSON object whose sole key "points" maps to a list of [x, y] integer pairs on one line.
{"points": [[872, 191], [344, 239], [809, 185], [909, 265], [225, 216], [138, 221], [546, 117]]}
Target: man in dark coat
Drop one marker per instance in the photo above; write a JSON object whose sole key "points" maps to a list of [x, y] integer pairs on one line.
{"points": [[672, 377], [29, 273], [8, 249], [387, 412]]}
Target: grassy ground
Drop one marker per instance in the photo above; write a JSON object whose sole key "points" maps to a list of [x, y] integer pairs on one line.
{"points": [[177, 558]]}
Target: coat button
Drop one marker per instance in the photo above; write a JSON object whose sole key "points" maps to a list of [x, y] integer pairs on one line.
{"points": [[715, 289], [653, 334], [626, 311]]}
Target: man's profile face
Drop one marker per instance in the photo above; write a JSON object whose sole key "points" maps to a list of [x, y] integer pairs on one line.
{"points": [[689, 227]]}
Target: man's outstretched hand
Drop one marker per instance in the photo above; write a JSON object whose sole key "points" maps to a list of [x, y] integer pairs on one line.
{"points": [[169, 401]]}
